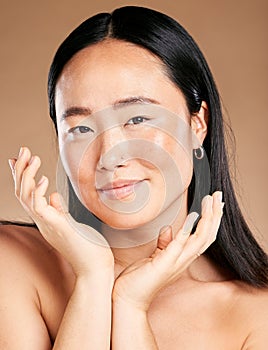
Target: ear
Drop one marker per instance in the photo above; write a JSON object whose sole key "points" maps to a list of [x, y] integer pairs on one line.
{"points": [[199, 122]]}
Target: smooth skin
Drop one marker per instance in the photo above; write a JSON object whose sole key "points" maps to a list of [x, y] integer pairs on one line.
{"points": [[71, 293]]}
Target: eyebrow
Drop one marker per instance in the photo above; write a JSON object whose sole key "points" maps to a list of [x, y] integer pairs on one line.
{"points": [[85, 111]]}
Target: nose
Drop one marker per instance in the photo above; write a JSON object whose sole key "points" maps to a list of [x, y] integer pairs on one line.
{"points": [[113, 149]]}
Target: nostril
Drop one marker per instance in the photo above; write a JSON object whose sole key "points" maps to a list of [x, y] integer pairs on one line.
{"points": [[100, 163], [110, 161]]}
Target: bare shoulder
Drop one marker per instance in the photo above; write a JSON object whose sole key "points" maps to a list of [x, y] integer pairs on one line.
{"points": [[253, 310], [23, 248], [14, 236], [23, 256], [34, 289], [28, 258], [254, 301], [27, 261]]}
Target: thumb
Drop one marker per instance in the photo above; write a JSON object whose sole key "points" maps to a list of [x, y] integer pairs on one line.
{"points": [[165, 237], [57, 201]]}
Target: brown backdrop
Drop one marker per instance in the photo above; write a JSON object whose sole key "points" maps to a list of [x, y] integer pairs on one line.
{"points": [[232, 34]]}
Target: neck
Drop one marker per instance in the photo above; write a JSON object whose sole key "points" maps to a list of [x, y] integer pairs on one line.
{"points": [[128, 252], [125, 257], [201, 270]]}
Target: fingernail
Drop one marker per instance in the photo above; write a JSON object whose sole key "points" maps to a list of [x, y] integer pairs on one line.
{"points": [[41, 180], [189, 223], [219, 196], [205, 202], [21, 151], [31, 160]]}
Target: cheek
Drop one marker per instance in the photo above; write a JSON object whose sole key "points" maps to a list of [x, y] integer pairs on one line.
{"points": [[86, 172], [79, 163], [176, 157], [183, 163]]}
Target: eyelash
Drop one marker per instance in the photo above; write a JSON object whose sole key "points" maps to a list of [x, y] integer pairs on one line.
{"points": [[85, 129], [80, 127], [128, 123]]}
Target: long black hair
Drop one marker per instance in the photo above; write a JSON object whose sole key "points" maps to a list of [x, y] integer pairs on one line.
{"points": [[235, 248]]}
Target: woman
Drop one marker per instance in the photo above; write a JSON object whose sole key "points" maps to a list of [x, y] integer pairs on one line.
{"points": [[118, 83]]}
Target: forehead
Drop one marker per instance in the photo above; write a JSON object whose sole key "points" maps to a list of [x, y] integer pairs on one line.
{"points": [[111, 70], [111, 52]]}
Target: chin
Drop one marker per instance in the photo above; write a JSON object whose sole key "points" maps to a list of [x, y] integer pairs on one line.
{"points": [[125, 221]]}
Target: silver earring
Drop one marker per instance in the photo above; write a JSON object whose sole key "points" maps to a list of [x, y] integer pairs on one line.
{"points": [[199, 152]]}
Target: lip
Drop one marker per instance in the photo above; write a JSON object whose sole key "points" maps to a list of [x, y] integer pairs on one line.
{"points": [[119, 189], [118, 184]]}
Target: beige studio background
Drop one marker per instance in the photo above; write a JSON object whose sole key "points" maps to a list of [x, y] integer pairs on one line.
{"points": [[232, 34]]}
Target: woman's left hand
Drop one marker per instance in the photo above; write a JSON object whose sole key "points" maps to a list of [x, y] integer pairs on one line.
{"points": [[140, 282]]}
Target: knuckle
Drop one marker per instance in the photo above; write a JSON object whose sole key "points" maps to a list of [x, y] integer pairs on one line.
{"points": [[219, 212]]}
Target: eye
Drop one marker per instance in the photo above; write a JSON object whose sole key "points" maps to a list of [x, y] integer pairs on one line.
{"points": [[137, 120], [79, 130]]}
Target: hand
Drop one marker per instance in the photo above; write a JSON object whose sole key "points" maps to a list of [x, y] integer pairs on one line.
{"points": [[141, 281], [55, 224]]}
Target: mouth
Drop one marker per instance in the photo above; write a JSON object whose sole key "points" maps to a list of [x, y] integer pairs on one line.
{"points": [[119, 189]]}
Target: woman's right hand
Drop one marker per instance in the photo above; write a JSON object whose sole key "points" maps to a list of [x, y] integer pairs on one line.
{"points": [[56, 225]]}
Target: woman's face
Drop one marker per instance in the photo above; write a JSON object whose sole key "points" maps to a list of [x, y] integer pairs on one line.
{"points": [[124, 129]]}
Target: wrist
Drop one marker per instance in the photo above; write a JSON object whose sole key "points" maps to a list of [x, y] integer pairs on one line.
{"points": [[124, 305], [96, 279]]}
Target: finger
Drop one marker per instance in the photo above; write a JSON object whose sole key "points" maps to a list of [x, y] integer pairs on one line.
{"points": [[195, 243], [185, 247], [20, 165], [165, 237], [207, 228], [39, 202], [48, 211], [176, 247], [28, 180], [217, 208], [41, 187], [189, 223], [218, 204], [206, 207], [57, 201], [213, 218], [204, 224], [12, 162]]}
